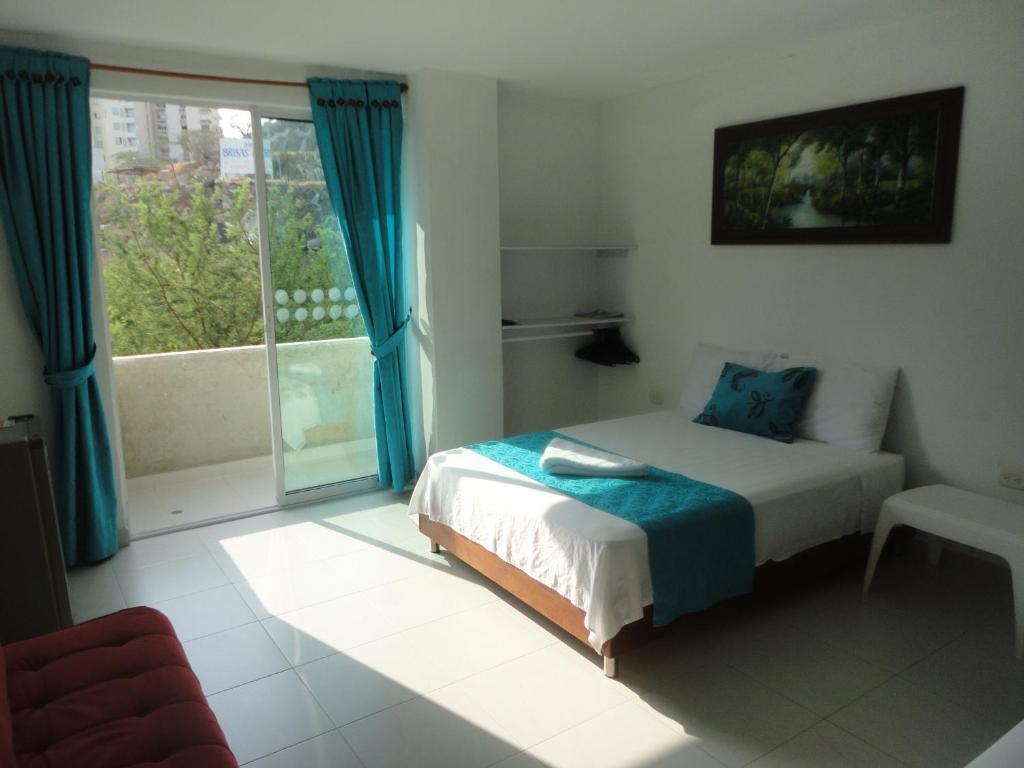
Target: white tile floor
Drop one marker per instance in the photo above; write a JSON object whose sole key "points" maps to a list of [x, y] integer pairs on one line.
{"points": [[323, 464], [329, 636], [196, 495], [170, 500]]}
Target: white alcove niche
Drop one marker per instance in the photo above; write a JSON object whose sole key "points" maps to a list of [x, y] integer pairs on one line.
{"points": [[542, 289]]}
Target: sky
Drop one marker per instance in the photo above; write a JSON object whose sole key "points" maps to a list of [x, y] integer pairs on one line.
{"points": [[231, 120]]}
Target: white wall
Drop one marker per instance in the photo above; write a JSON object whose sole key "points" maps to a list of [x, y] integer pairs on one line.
{"points": [[419, 339], [951, 316], [452, 225], [548, 154]]}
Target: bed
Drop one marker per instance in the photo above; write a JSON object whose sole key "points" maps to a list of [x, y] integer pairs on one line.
{"points": [[587, 570]]}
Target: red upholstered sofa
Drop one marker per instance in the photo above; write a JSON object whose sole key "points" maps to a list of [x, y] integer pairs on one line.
{"points": [[117, 691]]}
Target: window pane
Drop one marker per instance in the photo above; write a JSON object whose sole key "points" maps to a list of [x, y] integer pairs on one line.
{"points": [[323, 357], [178, 234]]}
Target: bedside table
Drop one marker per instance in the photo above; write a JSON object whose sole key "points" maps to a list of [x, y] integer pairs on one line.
{"points": [[988, 524]]}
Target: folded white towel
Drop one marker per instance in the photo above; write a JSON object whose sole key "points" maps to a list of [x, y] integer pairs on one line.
{"points": [[563, 457]]}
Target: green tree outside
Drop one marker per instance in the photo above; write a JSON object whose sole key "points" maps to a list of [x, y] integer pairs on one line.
{"points": [[181, 262]]}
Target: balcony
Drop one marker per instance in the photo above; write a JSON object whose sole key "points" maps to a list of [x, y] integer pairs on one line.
{"points": [[196, 428]]}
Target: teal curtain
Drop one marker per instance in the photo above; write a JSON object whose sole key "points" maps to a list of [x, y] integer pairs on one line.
{"points": [[45, 189], [359, 133]]}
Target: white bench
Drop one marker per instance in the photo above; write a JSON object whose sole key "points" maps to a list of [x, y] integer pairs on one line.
{"points": [[988, 524]]}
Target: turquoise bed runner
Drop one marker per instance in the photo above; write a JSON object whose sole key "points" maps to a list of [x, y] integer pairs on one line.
{"points": [[700, 538]]}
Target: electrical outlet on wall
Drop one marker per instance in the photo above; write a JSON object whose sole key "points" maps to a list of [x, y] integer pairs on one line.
{"points": [[1012, 478], [656, 397]]}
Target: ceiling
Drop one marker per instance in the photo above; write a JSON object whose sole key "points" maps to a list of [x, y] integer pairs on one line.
{"points": [[588, 49]]}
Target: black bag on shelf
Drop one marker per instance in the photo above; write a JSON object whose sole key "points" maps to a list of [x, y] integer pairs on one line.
{"points": [[607, 349]]}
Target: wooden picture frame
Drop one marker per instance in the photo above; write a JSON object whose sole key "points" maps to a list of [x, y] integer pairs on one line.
{"points": [[877, 172]]}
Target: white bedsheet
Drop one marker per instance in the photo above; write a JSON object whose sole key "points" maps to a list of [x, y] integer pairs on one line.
{"points": [[803, 494]]}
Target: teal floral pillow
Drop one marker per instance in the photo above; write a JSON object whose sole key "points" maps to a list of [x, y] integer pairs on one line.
{"points": [[758, 402]]}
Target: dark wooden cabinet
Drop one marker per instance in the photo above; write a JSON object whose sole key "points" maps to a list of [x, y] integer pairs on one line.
{"points": [[33, 586]]}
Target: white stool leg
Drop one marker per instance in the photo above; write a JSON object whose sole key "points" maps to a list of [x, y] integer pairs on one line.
{"points": [[934, 549], [1017, 571], [882, 528], [434, 547]]}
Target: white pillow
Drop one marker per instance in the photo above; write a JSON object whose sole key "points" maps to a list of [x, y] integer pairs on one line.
{"points": [[849, 405], [706, 368]]}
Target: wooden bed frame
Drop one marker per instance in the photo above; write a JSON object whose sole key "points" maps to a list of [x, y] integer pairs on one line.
{"points": [[770, 579]]}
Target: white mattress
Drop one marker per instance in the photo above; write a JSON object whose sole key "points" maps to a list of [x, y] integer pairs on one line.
{"points": [[803, 494]]}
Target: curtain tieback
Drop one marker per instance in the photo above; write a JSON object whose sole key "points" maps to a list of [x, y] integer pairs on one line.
{"points": [[72, 377], [390, 344]]}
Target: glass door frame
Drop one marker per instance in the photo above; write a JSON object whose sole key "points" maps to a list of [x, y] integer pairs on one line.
{"points": [[322, 492]]}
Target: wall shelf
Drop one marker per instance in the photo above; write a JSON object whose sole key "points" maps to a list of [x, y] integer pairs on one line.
{"points": [[544, 336], [510, 332]]}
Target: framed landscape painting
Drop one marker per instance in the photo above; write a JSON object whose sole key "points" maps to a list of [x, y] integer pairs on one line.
{"points": [[879, 172]]}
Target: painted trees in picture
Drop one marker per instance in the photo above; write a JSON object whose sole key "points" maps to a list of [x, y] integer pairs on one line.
{"points": [[877, 172], [848, 176]]}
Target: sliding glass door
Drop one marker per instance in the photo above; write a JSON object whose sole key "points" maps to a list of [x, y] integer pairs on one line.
{"points": [[205, 254], [318, 353]]}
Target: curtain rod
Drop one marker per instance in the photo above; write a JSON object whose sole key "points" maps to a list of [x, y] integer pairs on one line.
{"points": [[213, 78]]}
